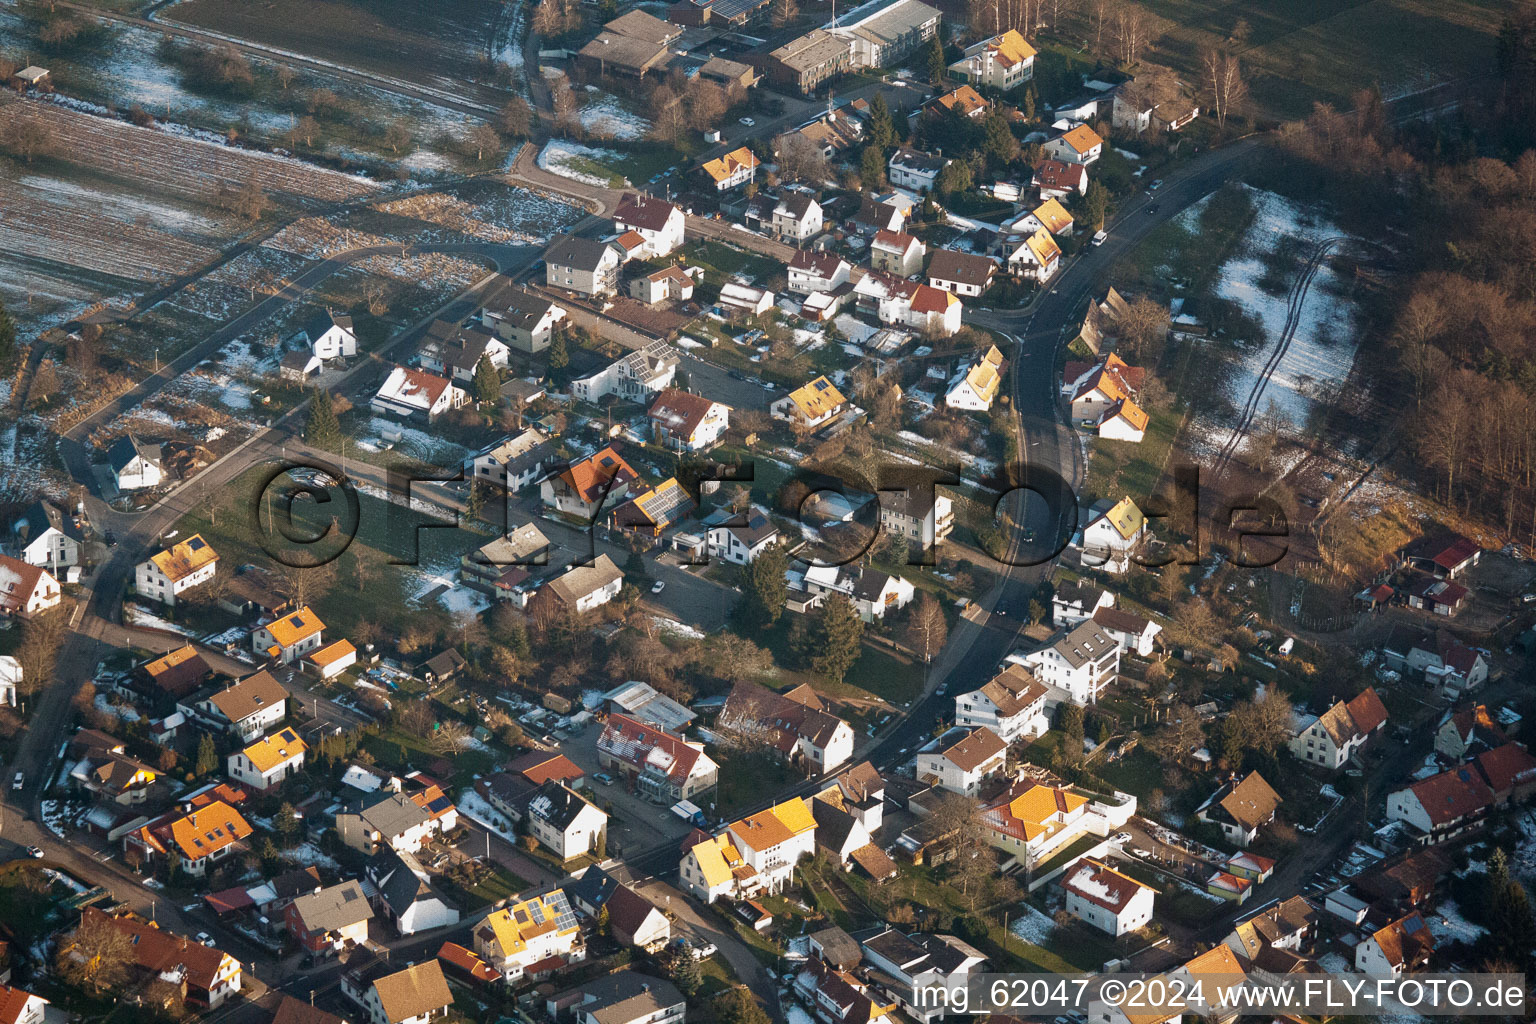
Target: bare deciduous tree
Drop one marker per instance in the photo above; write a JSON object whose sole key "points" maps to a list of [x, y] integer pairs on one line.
{"points": [[1224, 80]]}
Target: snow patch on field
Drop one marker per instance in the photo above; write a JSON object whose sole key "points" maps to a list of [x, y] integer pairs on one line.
{"points": [[574, 160], [603, 116], [1032, 926], [1322, 350]]}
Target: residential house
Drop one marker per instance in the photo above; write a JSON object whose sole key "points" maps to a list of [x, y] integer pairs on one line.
{"points": [[738, 538], [930, 310], [1510, 772], [921, 962], [796, 724], [328, 335], [583, 265], [104, 769], [11, 675], [664, 768], [1011, 705], [896, 253], [960, 102], [1075, 602], [331, 920], [1443, 806], [810, 405], [961, 273], [863, 794], [412, 995], [1449, 666], [266, 763], [26, 590], [1135, 634], [1107, 899], [1081, 662], [530, 937], [208, 976], [915, 170], [524, 320], [585, 487], [963, 765], [1124, 421], [1078, 145], [838, 831], [623, 997], [1241, 808], [1467, 731], [975, 387], [331, 660], [873, 216], [565, 823], [402, 823], [1409, 882], [168, 574], [1002, 62], [403, 893], [812, 271], [295, 1011], [882, 34], [538, 767], [686, 422], [1058, 180], [514, 462], [1095, 389], [636, 376], [454, 351], [732, 169], [135, 464], [289, 637], [872, 592], [202, 830], [176, 673], [416, 395], [20, 1007], [743, 300], [1338, 734], [918, 513], [728, 73], [657, 221], [246, 709], [836, 996], [1290, 925], [1099, 324], [1401, 947], [755, 855], [581, 588], [797, 217], [653, 511], [1114, 533], [807, 61], [1036, 258], [1052, 216], [44, 536], [669, 284], [635, 921], [503, 567]]}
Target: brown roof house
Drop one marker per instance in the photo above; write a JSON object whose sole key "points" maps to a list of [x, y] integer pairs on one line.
{"points": [[1339, 734], [387, 996], [1241, 808]]}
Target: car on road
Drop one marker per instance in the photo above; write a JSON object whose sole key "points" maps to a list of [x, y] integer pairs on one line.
{"points": [[1157, 184], [658, 586], [1100, 237], [748, 122], [34, 851], [603, 778], [19, 781], [1153, 208], [204, 938]]}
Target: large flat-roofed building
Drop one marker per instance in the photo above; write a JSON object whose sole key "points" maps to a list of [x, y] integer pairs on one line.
{"points": [[631, 44], [809, 61], [881, 33]]}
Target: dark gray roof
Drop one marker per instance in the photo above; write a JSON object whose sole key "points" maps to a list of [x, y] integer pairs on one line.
{"points": [[400, 879], [838, 947], [622, 997], [1073, 592], [573, 251], [127, 447], [593, 888], [1088, 642], [323, 321], [390, 814], [41, 516], [556, 804], [917, 160]]}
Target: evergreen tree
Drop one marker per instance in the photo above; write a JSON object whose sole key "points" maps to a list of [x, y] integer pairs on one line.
{"points": [[7, 337], [207, 756], [487, 382], [559, 356], [322, 429], [872, 167], [736, 1006], [835, 638], [881, 129], [938, 68], [766, 590], [1095, 205], [1027, 107], [682, 968], [286, 824]]}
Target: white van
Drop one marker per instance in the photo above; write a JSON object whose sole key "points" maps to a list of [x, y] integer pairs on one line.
{"points": [[1099, 237]]}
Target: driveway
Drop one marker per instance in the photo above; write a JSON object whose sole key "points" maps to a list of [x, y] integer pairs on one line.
{"points": [[636, 823], [694, 924]]}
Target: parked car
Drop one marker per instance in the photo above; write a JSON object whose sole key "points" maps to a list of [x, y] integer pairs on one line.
{"points": [[1157, 184], [1100, 237], [204, 938], [748, 122], [18, 781], [603, 778], [1121, 837], [658, 586], [34, 851]]}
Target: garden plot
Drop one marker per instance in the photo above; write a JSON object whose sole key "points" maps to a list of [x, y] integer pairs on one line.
{"points": [[316, 238], [1321, 351], [519, 216], [604, 117], [588, 164], [175, 165]]}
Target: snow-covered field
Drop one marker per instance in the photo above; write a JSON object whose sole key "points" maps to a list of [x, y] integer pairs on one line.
{"points": [[1322, 350], [605, 117], [1032, 926], [573, 160]]}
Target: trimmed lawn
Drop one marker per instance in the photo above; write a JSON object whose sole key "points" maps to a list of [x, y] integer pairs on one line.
{"points": [[878, 673], [721, 261], [1117, 468]]}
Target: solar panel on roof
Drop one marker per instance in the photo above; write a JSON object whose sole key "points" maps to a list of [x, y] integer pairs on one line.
{"points": [[196, 543], [297, 622]]}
